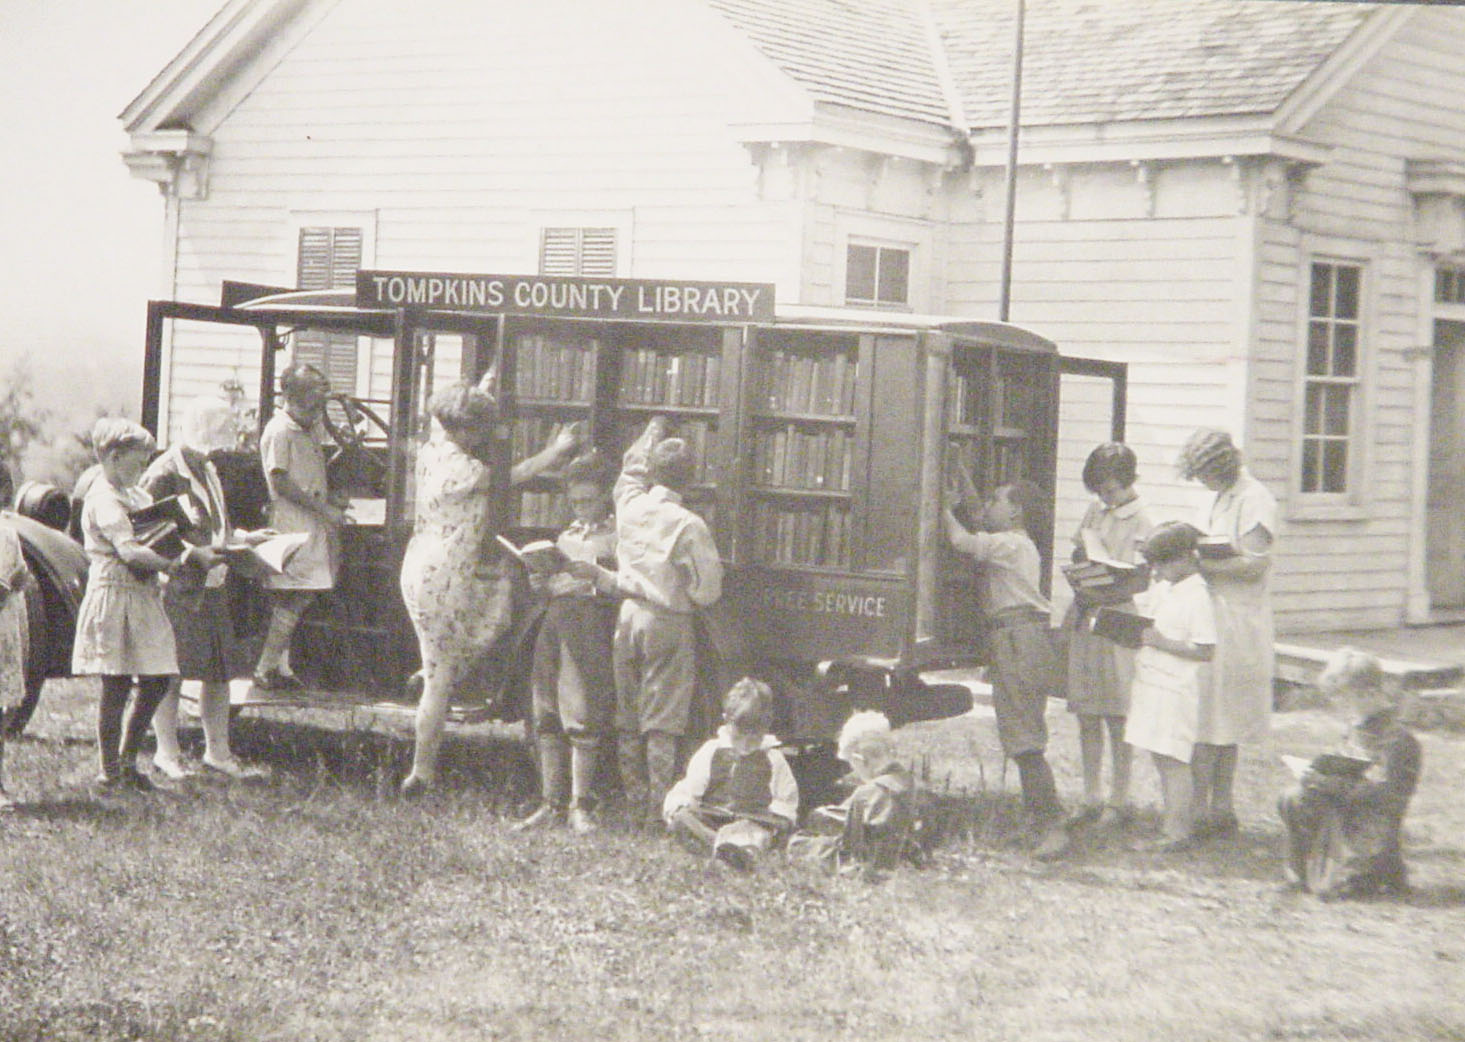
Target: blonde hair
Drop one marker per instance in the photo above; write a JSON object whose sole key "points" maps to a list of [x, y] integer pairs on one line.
{"points": [[1353, 672], [865, 734], [748, 705], [113, 434], [208, 425]]}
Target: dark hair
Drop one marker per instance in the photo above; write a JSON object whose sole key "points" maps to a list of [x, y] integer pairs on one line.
{"points": [[1026, 496], [748, 705], [1169, 541], [1111, 461], [672, 464], [301, 377], [462, 408], [588, 468]]}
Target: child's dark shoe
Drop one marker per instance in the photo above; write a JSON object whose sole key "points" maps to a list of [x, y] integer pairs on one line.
{"points": [[735, 857]]}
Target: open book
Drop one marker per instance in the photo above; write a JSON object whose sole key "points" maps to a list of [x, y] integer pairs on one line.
{"points": [[1099, 579], [1338, 765], [270, 557], [1122, 627], [540, 556]]}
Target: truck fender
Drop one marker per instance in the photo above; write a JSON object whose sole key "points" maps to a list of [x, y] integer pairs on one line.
{"points": [[58, 565]]}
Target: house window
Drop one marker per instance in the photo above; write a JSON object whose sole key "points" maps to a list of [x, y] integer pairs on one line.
{"points": [[1449, 285], [328, 258], [877, 275], [1330, 382], [577, 251]]}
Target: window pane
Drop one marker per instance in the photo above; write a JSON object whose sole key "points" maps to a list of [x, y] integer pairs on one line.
{"points": [[1317, 349], [1347, 302], [1313, 409], [1320, 300], [894, 276], [1310, 465], [1345, 349], [1335, 466], [859, 273], [1335, 411]]}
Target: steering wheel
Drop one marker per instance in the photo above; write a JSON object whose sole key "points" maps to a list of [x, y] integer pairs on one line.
{"points": [[355, 466]]}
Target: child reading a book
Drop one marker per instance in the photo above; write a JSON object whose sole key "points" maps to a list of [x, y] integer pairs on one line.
{"points": [[1023, 669], [877, 822], [1099, 671], [574, 681], [738, 794], [122, 631], [1344, 821], [1169, 671]]}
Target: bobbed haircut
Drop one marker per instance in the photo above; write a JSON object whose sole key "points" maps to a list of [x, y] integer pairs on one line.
{"points": [[209, 425], [866, 734], [462, 408], [589, 468], [672, 464], [113, 434], [1210, 452], [1169, 541], [301, 378], [1111, 461], [748, 705]]}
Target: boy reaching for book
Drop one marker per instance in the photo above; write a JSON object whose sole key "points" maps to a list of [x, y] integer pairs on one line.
{"points": [[573, 680], [1024, 669], [1345, 817], [738, 794], [1169, 671]]}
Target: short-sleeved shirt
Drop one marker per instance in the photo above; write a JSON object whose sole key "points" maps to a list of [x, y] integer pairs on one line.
{"points": [[1121, 530], [1011, 567], [287, 446]]}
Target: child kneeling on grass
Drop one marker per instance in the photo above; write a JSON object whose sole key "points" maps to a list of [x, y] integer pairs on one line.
{"points": [[738, 795], [1170, 671], [877, 822], [1343, 829]]}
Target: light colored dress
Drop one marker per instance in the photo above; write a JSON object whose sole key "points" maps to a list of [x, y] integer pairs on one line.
{"points": [[1166, 695], [459, 602], [285, 445], [121, 628], [13, 619], [1238, 706], [1100, 672]]}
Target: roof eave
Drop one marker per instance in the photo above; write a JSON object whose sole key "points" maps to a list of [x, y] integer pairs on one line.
{"points": [[845, 127], [1149, 140]]}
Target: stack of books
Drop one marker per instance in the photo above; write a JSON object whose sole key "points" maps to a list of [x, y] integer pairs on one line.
{"points": [[160, 526], [1106, 582]]}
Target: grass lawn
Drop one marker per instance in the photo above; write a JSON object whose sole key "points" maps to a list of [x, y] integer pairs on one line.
{"points": [[313, 906]]}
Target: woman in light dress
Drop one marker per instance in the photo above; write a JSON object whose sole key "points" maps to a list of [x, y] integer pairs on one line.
{"points": [[1237, 707], [456, 586]]}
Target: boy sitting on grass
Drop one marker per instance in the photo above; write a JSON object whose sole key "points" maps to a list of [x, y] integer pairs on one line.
{"points": [[738, 794], [1343, 830], [877, 822]]}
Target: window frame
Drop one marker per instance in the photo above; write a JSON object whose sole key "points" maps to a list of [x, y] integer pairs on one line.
{"points": [[1350, 502], [914, 236], [541, 221], [366, 222]]}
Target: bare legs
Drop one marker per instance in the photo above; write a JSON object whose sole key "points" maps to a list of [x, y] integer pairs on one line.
{"points": [[1091, 732], [1214, 770]]}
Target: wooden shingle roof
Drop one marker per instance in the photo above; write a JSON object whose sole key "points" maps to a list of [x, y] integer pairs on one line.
{"points": [[1085, 61]]}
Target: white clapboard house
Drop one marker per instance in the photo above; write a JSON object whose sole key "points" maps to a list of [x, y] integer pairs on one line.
{"points": [[1258, 205]]}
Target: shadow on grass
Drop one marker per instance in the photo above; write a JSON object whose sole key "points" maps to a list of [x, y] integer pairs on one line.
{"points": [[372, 761], [72, 809]]}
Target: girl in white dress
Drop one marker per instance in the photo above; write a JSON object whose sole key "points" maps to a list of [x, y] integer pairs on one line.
{"points": [[1170, 672]]}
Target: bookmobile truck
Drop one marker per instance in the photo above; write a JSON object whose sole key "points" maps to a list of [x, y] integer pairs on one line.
{"points": [[824, 436]]}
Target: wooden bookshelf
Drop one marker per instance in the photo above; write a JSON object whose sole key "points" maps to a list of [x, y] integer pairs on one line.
{"points": [[554, 379], [800, 450]]}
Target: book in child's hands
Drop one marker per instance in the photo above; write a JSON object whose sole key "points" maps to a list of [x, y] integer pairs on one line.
{"points": [[159, 526], [1336, 765], [1122, 627], [270, 557], [1106, 582], [540, 556]]}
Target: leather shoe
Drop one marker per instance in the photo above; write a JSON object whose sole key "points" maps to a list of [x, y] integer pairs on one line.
{"points": [[277, 680]]}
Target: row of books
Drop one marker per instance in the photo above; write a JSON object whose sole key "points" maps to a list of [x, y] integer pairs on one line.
{"points": [[543, 510], [675, 378], [790, 457], [962, 406], [530, 434], [555, 369], [817, 536], [818, 386]]}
